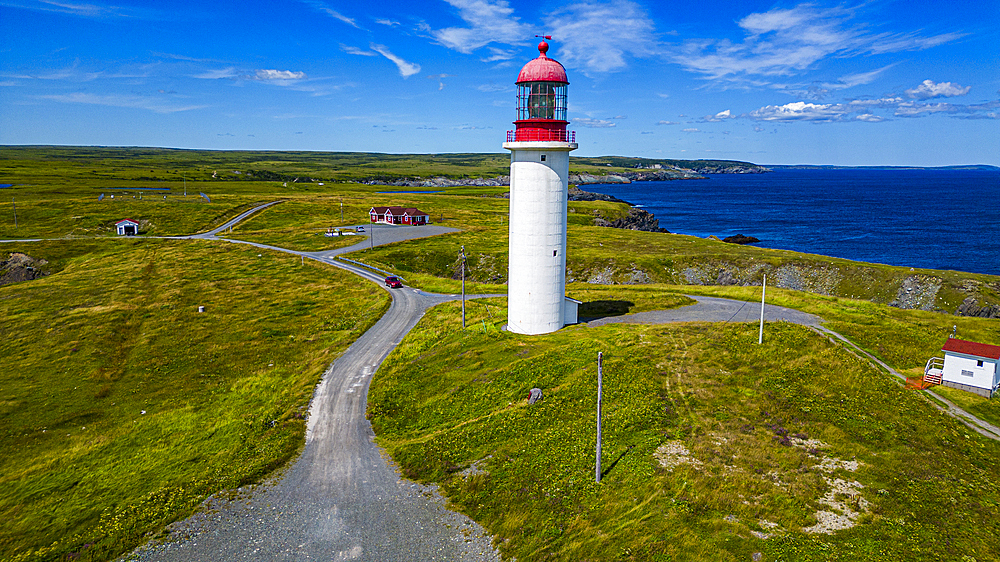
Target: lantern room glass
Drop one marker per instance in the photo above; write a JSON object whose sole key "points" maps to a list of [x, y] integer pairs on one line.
{"points": [[541, 100]]}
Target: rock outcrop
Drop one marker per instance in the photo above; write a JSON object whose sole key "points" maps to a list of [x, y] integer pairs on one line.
{"points": [[740, 239], [20, 267], [917, 292], [577, 194], [637, 175], [970, 307], [729, 169], [637, 219]]}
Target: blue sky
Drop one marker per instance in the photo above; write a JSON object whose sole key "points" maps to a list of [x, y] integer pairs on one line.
{"points": [[914, 82]]}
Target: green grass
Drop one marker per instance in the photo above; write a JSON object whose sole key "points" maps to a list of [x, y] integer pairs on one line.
{"points": [[112, 332], [458, 397], [987, 409], [124, 406]]}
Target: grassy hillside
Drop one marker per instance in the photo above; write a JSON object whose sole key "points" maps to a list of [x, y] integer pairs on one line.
{"points": [[124, 406], [112, 331], [715, 448]]}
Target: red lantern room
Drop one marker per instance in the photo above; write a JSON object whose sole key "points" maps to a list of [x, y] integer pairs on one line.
{"points": [[541, 101]]}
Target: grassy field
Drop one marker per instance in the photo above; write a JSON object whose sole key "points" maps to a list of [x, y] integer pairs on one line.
{"points": [[124, 406], [714, 448], [113, 332]]}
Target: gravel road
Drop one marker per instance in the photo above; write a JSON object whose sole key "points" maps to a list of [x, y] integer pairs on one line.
{"points": [[341, 499]]}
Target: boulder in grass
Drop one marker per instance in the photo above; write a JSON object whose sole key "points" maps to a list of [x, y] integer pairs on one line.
{"points": [[534, 395]]}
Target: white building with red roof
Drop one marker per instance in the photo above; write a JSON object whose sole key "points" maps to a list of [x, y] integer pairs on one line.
{"points": [[399, 215], [127, 227], [967, 366]]}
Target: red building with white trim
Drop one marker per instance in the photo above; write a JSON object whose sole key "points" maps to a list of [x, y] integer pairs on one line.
{"points": [[399, 215]]}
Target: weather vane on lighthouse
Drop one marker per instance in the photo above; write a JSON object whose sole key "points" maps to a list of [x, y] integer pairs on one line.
{"points": [[539, 173]]}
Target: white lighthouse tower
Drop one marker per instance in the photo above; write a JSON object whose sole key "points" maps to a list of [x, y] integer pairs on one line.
{"points": [[539, 170]]}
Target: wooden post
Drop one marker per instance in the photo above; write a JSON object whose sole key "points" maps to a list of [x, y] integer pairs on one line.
{"points": [[15, 211], [600, 382], [463, 287], [763, 289]]}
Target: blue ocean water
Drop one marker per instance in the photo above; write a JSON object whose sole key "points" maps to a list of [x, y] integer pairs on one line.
{"points": [[938, 219]]}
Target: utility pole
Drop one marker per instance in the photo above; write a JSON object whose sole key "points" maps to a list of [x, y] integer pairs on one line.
{"points": [[600, 382], [763, 290], [371, 235], [463, 287], [185, 184], [341, 209]]}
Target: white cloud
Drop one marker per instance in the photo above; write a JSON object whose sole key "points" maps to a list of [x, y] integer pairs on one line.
{"points": [[390, 23], [488, 22], [406, 69], [858, 79], [137, 102], [594, 123], [986, 110], [323, 8], [799, 111], [928, 89], [667, 123], [499, 54], [86, 10], [356, 51], [492, 87], [690, 130], [720, 116], [265, 74], [440, 79], [230, 72], [869, 118], [600, 36], [865, 110], [784, 42]]}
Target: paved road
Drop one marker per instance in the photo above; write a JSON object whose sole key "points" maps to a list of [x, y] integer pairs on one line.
{"points": [[712, 309]]}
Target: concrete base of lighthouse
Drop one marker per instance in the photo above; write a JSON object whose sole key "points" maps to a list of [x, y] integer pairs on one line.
{"points": [[536, 286]]}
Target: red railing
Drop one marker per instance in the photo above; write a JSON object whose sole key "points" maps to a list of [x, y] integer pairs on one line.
{"points": [[522, 135]]}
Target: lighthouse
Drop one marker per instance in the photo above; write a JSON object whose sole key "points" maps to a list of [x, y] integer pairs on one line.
{"points": [[539, 170]]}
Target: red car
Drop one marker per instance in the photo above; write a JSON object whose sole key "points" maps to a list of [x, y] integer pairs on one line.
{"points": [[393, 282]]}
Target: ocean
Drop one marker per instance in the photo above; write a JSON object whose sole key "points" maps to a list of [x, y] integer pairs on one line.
{"points": [[923, 218]]}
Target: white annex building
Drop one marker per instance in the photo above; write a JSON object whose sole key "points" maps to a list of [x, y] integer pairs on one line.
{"points": [[539, 175], [967, 366]]}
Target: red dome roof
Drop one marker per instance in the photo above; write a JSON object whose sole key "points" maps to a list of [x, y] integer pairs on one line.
{"points": [[542, 69]]}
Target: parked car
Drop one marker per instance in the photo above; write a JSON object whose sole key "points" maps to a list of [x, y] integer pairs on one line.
{"points": [[393, 282], [360, 229]]}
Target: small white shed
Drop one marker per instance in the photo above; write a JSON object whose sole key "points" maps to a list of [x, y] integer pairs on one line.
{"points": [[127, 227], [971, 366], [571, 314]]}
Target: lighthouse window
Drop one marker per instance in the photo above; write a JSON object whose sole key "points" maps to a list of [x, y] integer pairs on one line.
{"points": [[543, 158], [555, 253]]}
